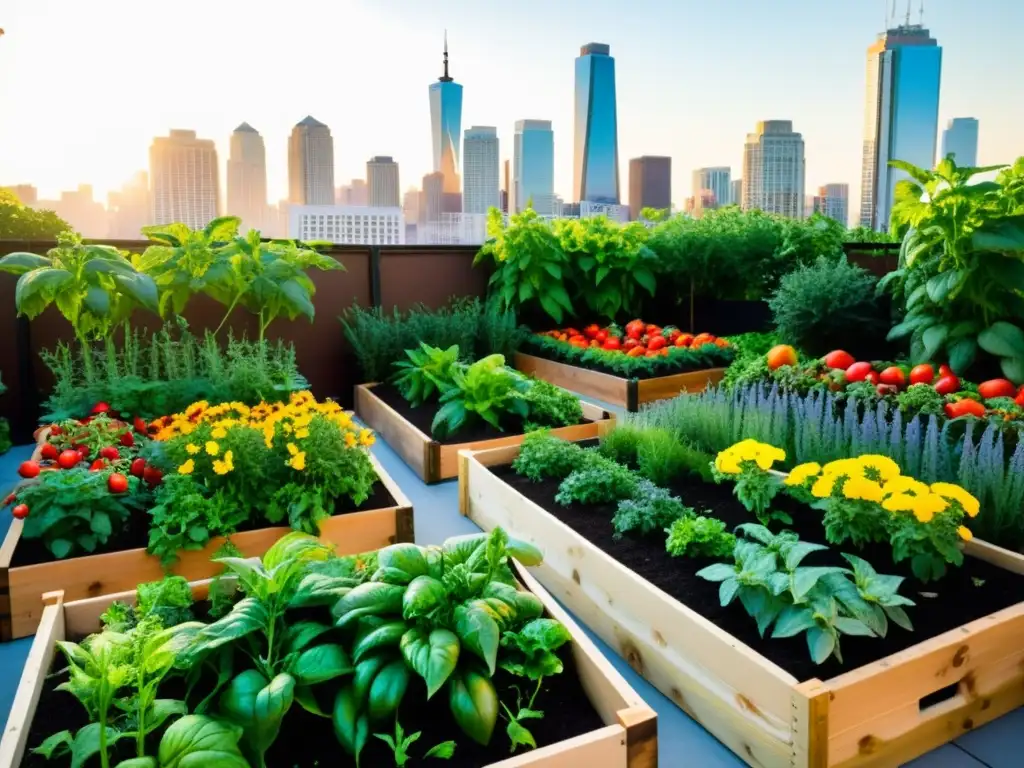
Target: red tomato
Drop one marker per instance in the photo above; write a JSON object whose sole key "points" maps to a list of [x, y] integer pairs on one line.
{"points": [[20, 511], [29, 469], [591, 331], [945, 370], [872, 376], [140, 426], [602, 336], [966, 407], [672, 335], [893, 375], [629, 344], [839, 359], [886, 389], [100, 408], [656, 343], [947, 385], [653, 329], [138, 467], [996, 388], [68, 459], [110, 452], [1019, 400], [10, 499], [858, 372], [56, 429], [778, 356], [152, 476], [635, 329], [49, 452], [117, 483], [683, 340], [594, 343], [637, 351], [98, 465], [612, 342], [922, 374]]}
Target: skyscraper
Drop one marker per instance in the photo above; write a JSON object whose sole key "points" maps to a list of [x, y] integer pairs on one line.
{"points": [[354, 193], [650, 184], [833, 200], [129, 208], [247, 177], [533, 171], [715, 180], [432, 203], [736, 192], [596, 151], [961, 140], [382, 182], [480, 174], [446, 126], [506, 186], [185, 180], [901, 117], [311, 164], [773, 169]]}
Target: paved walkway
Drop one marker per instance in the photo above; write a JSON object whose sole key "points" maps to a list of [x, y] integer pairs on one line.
{"points": [[682, 742]]}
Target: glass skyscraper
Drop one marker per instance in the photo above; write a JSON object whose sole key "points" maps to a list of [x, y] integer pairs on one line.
{"points": [[533, 167], [446, 127], [961, 140], [901, 120], [596, 150]]}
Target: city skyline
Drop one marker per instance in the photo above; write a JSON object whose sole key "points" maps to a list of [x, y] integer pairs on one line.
{"points": [[696, 123]]}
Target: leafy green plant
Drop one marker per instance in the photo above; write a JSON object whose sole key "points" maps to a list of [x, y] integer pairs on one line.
{"points": [[530, 267], [961, 270], [426, 374], [74, 512], [543, 456], [661, 458], [621, 443], [500, 332], [551, 406], [755, 489], [400, 743], [648, 510], [487, 389], [699, 536], [828, 305], [598, 481], [19, 222]]}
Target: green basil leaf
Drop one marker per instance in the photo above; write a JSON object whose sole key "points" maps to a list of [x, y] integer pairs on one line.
{"points": [[387, 690], [320, 663], [371, 598], [479, 632], [433, 657], [366, 672], [238, 701], [1003, 340], [403, 562], [272, 704], [474, 704], [320, 589], [302, 633], [384, 636], [246, 616], [424, 595], [350, 725], [196, 741]]}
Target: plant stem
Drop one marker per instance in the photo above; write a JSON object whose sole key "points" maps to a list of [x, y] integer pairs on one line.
{"points": [[535, 692], [231, 308]]}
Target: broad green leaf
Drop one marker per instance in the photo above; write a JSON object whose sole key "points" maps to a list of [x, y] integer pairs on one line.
{"points": [[445, 750], [86, 743], [387, 690], [161, 710], [821, 644], [474, 704], [366, 599], [222, 229], [55, 745], [727, 591], [646, 279], [424, 595], [140, 288], [366, 671], [433, 657], [717, 572], [320, 663], [195, 741], [405, 558], [850, 626], [943, 284], [97, 300], [19, 263], [272, 704], [1013, 369], [36, 289], [247, 616], [792, 621], [962, 353], [528, 606], [387, 635], [320, 589], [804, 579], [933, 339], [519, 735], [302, 633], [139, 762], [1000, 235], [479, 632], [1002, 339], [238, 701], [350, 724]]}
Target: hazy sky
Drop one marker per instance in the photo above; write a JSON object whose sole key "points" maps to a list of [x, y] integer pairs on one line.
{"points": [[84, 86]]}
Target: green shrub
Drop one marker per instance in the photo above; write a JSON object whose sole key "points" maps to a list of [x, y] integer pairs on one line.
{"points": [[650, 509], [542, 456], [600, 481], [661, 458], [551, 406], [500, 332], [828, 305], [620, 444], [699, 536]]}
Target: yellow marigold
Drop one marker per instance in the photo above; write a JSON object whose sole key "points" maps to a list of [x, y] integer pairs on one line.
{"points": [[926, 507], [287, 427], [823, 486], [301, 433], [955, 493], [196, 408], [222, 467], [212, 448], [862, 489], [802, 472], [219, 433], [899, 502], [965, 533], [298, 461], [343, 419], [848, 467], [727, 462], [350, 440], [187, 467], [192, 449], [904, 485], [883, 465], [366, 437], [292, 449]]}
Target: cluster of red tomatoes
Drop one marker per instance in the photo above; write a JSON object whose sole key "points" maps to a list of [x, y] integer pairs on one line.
{"points": [[639, 339]]}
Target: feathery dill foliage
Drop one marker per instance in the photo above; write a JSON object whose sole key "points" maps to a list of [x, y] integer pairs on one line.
{"points": [[152, 374], [380, 338]]}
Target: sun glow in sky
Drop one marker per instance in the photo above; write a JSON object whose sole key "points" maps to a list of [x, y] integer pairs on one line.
{"points": [[84, 87]]}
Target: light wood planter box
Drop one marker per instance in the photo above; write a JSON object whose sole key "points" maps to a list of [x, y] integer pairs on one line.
{"points": [[629, 738], [617, 390], [434, 461], [870, 716], [21, 587]]}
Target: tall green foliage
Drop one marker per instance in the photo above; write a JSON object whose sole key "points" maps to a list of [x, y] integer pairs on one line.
{"points": [[19, 222]]}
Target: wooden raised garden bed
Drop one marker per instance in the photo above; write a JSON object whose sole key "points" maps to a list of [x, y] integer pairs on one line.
{"points": [[881, 714], [627, 393], [434, 461], [80, 577], [629, 738]]}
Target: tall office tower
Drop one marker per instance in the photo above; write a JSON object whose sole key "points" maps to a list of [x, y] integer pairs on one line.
{"points": [[411, 205], [353, 193], [961, 140], [715, 180], [650, 184], [432, 201], [833, 200], [446, 126], [129, 208], [26, 193], [901, 119], [247, 177], [533, 167], [382, 182], [184, 178], [736, 192], [311, 164], [773, 169], [480, 170], [506, 186], [596, 151]]}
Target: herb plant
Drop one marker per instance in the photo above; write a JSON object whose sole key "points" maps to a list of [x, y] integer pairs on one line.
{"points": [[600, 481], [400, 743], [426, 373], [551, 406], [699, 536], [650, 509], [543, 456], [487, 389]]}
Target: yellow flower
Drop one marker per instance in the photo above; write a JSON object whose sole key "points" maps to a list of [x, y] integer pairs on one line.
{"points": [[350, 440], [802, 472], [823, 486], [292, 449], [187, 467], [926, 507], [366, 437], [904, 485], [959, 495], [965, 533], [899, 502], [219, 433], [212, 448], [192, 449], [301, 433], [885, 467], [298, 461], [222, 467], [862, 489], [848, 467]]}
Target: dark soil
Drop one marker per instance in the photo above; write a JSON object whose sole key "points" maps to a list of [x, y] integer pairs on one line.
{"points": [[423, 416], [308, 741], [135, 533], [963, 595]]}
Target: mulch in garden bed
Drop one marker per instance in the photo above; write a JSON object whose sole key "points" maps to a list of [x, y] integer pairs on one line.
{"points": [[135, 533], [971, 592], [308, 741], [421, 417]]}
